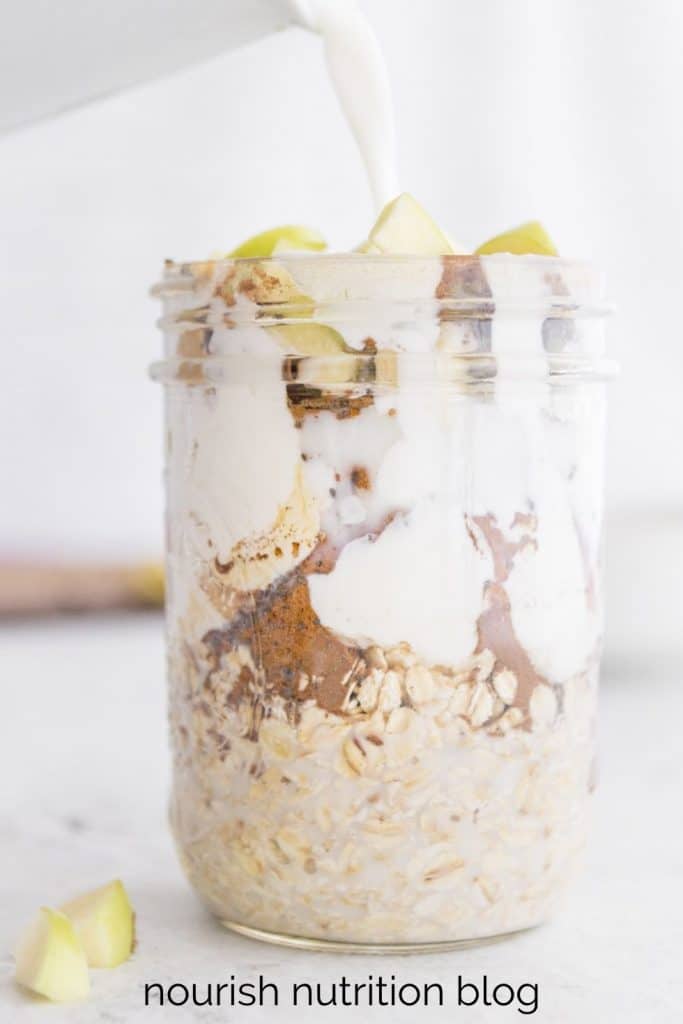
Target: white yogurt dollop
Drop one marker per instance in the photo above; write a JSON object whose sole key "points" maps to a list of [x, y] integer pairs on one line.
{"points": [[420, 581], [233, 493]]}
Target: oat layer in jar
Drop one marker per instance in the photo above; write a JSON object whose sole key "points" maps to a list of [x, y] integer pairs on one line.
{"points": [[384, 511]]}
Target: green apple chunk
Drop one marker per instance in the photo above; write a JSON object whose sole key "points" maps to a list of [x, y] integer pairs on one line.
{"points": [[368, 248], [278, 240], [50, 959], [308, 339], [104, 922], [329, 359], [526, 240], [405, 228]]}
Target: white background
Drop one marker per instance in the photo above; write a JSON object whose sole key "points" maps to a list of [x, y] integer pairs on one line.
{"points": [[568, 110]]}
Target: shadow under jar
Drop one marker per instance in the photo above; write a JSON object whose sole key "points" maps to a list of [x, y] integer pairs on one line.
{"points": [[384, 482]]}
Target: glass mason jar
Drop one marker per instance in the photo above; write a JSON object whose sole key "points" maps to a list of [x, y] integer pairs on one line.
{"points": [[384, 613]]}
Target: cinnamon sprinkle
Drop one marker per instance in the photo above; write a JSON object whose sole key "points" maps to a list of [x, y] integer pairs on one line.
{"points": [[495, 628], [304, 400], [360, 478], [287, 640]]}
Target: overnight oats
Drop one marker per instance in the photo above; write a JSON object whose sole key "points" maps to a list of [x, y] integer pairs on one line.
{"points": [[384, 481]]}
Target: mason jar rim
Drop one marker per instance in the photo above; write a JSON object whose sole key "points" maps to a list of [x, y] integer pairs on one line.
{"points": [[347, 291], [459, 283]]}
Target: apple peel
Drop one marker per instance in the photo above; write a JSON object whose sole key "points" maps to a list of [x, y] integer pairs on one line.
{"points": [[287, 238], [529, 239]]}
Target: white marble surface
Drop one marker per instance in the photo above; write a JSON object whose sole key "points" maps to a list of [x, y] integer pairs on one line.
{"points": [[85, 776]]}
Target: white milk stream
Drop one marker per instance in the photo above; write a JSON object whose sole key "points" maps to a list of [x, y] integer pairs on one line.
{"points": [[359, 76]]}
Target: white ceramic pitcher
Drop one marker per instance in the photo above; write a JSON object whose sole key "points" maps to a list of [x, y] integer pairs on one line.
{"points": [[56, 56]]}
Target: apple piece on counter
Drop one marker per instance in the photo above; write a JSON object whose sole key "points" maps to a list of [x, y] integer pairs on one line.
{"points": [[50, 959], [286, 238], [105, 924], [528, 239], [404, 228]]}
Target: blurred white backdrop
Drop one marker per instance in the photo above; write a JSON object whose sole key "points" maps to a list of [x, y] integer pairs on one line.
{"points": [[567, 111]]}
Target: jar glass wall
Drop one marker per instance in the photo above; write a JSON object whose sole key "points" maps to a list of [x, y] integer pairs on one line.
{"points": [[384, 487]]}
